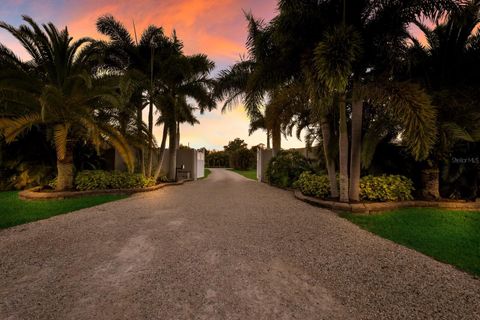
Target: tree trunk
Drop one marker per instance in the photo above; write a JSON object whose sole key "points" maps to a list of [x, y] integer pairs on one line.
{"points": [[161, 152], [140, 138], [356, 148], [150, 139], [431, 183], [268, 139], [65, 170], [178, 136], [343, 149], [276, 139], [172, 150], [329, 162]]}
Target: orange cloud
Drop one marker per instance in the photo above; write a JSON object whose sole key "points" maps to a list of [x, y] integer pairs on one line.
{"points": [[216, 28]]}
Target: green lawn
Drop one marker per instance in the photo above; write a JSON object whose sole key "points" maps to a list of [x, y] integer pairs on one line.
{"points": [[14, 211], [250, 174], [448, 236], [206, 173]]}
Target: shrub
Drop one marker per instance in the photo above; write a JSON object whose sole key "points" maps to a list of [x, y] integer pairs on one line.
{"points": [[380, 188], [98, 179], [386, 188], [284, 169], [313, 185]]}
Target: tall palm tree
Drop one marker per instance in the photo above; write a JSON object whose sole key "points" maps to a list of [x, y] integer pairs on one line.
{"points": [[184, 77], [56, 91], [124, 52]]}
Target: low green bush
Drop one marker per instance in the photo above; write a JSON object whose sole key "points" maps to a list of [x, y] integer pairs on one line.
{"points": [[99, 179], [284, 169], [313, 185], [372, 188], [386, 188]]}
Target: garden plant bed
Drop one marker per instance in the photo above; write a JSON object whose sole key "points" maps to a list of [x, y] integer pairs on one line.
{"points": [[372, 207], [38, 194]]}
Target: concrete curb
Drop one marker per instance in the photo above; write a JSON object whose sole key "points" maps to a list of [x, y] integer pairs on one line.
{"points": [[387, 206], [34, 194]]}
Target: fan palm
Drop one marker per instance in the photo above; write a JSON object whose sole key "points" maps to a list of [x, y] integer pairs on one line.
{"points": [[56, 91]]}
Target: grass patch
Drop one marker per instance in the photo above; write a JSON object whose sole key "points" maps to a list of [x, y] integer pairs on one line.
{"points": [[448, 236], [14, 211], [250, 174], [206, 173]]}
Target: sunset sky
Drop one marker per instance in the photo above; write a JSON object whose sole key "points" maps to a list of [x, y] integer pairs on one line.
{"points": [[214, 27]]}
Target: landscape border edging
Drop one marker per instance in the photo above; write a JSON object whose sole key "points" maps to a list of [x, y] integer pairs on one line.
{"points": [[386, 206], [33, 194]]}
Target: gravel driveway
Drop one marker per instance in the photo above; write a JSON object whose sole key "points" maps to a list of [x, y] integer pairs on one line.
{"points": [[220, 248]]}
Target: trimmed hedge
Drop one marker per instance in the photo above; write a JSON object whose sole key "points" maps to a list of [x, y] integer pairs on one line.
{"points": [[284, 169], [99, 180], [372, 188]]}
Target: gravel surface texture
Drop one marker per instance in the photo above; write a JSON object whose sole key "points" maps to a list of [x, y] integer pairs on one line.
{"points": [[221, 248]]}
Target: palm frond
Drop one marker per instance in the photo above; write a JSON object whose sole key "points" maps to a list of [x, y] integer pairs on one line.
{"points": [[11, 128], [114, 29]]}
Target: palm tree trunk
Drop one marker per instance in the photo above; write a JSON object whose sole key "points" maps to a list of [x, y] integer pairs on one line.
{"points": [[356, 148], [172, 150], [65, 170], [178, 136], [150, 139], [268, 139], [431, 183], [140, 138], [343, 149], [161, 152], [330, 163], [276, 139]]}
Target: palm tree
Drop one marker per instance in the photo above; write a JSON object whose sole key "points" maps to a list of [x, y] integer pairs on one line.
{"points": [[448, 67], [184, 77], [124, 52], [56, 90], [373, 71]]}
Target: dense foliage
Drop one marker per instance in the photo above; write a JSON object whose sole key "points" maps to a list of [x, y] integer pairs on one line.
{"points": [[217, 159], [313, 185], [93, 93], [100, 180], [284, 169], [372, 188], [242, 159], [353, 76], [386, 188]]}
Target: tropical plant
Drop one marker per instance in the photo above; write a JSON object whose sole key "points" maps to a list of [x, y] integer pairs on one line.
{"points": [[185, 77], [447, 65], [123, 52], [285, 168], [55, 90]]}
